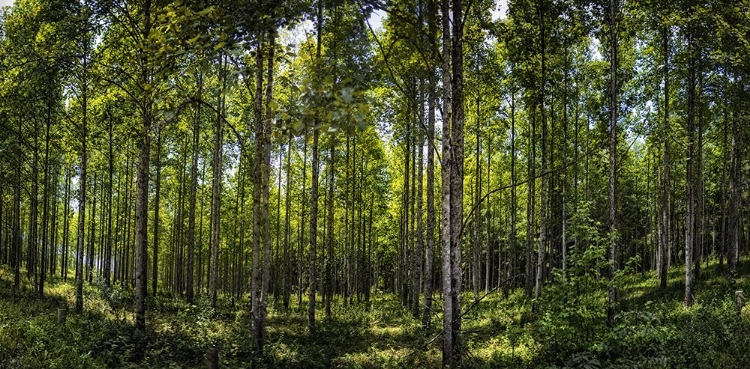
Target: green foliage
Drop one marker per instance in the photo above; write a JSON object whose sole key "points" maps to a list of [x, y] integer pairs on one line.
{"points": [[499, 332]]}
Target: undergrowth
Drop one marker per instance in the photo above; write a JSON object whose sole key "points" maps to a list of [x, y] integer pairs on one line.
{"points": [[652, 329]]}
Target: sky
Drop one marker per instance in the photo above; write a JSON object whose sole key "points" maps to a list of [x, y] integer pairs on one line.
{"points": [[6, 2]]}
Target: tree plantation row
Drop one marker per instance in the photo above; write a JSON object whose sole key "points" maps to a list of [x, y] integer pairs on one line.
{"points": [[307, 154]]}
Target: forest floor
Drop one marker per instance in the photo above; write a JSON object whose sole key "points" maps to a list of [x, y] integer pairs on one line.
{"points": [[653, 329]]}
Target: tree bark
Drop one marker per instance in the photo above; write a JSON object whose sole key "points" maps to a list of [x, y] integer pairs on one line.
{"points": [[82, 195], [329, 228], [446, 171], [157, 206], [258, 239], [419, 241], [216, 188], [666, 213], [314, 188], [267, 131], [690, 176], [430, 236], [512, 237], [612, 298], [287, 226], [735, 228], [543, 201], [189, 293]]}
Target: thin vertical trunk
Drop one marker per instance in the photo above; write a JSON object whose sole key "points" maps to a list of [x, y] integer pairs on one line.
{"points": [[110, 236], [612, 298], [45, 201], [82, 195], [406, 224], [16, 254], [457, 173], [476, 262], [216, 189], [313, 230], [329, 227], [141, 204], [267, 131], [530, 204], [287, 225], [200, 239], [488, 220], [348, 185], [543, 201], [690, 176], [419, 244], [662, 259], [512, 237], [92, 234], [430, 236], [157, 206], [700, 188], [66, 228], [563, 174], [314, 187], [735, 227], [446, 171], [258, 240], [724, 237], [33, 237], [53, 252], [189, 293], [431, 106], [301, 245]]}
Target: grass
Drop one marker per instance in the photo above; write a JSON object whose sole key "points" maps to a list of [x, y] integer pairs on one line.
{"points": [[653, 330]]}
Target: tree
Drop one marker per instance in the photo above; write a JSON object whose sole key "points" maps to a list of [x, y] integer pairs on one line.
{"points": [[452, 176], [613, 29]]}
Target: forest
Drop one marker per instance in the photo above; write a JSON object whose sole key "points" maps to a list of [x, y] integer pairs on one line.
{"points": [[374, 183]]}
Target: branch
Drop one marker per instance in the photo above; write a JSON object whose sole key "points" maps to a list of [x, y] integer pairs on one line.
{"points": [[240, 138], [398, 86], [498, 189]]}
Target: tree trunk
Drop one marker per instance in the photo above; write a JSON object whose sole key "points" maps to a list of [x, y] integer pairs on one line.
{"points": [[329, 227], [157, 206], [45, 199], [530, 205], [82, 198], [267, 131], [612, 298], [457, 172], [735, 227], [663, 260], [141, 204], [16, 254], [110, 235], [419, 241], [512, 237], [258, 239], [446, 171], [724, 225], [287, 225], [314, 188], [690, 176], [543, 201], [66, 227], [301, 246], [430, 236], [476, 261], [92, 234], [189, 293], [216, 188]]}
